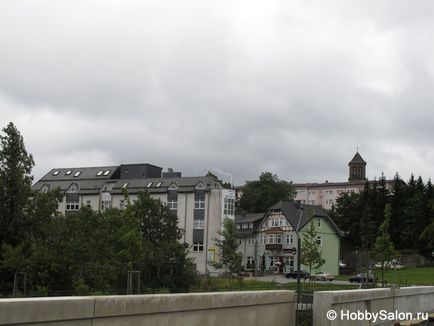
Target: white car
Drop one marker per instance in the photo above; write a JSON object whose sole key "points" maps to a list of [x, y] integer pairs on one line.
{"points": [[394, 264], [323, 276], [342, 264]]}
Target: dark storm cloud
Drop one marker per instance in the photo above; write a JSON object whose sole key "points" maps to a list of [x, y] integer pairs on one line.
{"points": [[241, 87]]}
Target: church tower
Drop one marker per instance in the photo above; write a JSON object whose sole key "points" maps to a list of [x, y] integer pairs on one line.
{"points": [[357, 168]]}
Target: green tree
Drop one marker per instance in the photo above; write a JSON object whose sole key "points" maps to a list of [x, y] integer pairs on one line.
{"points": [[15, 184], [311, 252], [260, 194], [165, 261], [384, 250], [226, 185], [229, 259]]}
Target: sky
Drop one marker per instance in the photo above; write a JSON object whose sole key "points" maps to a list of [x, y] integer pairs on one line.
{"points": [[234, 87]]}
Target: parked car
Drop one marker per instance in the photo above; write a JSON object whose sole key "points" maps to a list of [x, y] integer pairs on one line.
{"points": [[293, 274], [362, 278], [323, 276], [394, 264]]}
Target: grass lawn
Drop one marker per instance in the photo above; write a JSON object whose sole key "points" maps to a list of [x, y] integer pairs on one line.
{"points": [[407, 276], [215, 284]]}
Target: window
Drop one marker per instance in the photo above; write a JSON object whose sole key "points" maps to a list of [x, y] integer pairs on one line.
{"points": [[125, 185], [72, 206], [107, 172], [158, 185], [300, 193], [279, 238], [199, 224], [250, 260], [73, 188], [149, 185], [172, 204], [250, 240], [77, 174], [311, 193], [99, 173], [329, 193], [68, 172], [319, 240], [245, 225], [105, 204], [198, 246], [319, 223], [88, 203], [250, 225], [272, 239], [229, 206], [262, 239], [45, 189], [56, 172], [289, 239], [238, 226], [199, 204]]}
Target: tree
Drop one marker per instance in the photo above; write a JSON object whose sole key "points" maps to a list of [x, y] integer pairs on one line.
{"points": [[229, 258], [260, 194], [226, 185], [311, 253], [384, 249], [165, 262], [15, 188], [15, 184]]}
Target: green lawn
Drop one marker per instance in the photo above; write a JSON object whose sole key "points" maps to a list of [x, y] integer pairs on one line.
{"points": [[215, 284], [407, 276]]}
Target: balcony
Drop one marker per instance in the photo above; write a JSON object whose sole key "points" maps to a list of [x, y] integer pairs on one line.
{"points": [[273, 246]]}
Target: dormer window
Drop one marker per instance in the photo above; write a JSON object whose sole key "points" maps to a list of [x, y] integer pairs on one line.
{"points": [[173, 187], [73, 188], [77, 174], [68, 172], [107, 172], [99, 173], [200, 186]]}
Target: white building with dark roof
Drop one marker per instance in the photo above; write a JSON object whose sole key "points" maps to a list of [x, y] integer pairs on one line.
{"points": [[200, 203]]}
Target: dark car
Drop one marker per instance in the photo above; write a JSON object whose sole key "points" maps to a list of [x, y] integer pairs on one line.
{"points": [[293, 274], [362, 278]]}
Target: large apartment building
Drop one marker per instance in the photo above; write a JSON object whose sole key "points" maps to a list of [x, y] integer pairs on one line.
{"points": [[325, 194], [200, 203]]}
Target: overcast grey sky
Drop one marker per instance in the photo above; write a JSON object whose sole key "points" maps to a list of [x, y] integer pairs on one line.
{"points": [[291, 87]]}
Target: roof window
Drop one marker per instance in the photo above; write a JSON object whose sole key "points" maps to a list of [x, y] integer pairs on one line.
{"points": [[125, 185], [149, 185], [107, 172], [100, 172], [68, 172], [56, 172], [77, 174], [158, 184]]}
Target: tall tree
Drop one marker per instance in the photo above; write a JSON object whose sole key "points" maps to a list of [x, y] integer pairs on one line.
{"points": [[15, 184], [229, 258], [384, 249], [260, 194], [311, 252]]}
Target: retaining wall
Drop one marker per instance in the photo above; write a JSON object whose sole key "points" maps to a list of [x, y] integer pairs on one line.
{"points": [[229, 308]]}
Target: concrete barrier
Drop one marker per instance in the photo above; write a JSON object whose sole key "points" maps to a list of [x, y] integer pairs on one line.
{"points": [[191, 309], [409, 300]]}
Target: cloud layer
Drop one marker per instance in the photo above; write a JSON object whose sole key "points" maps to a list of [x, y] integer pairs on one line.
{"points": [[242, 86]]}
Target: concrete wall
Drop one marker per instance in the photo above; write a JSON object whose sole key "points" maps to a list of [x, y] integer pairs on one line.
{"points": [[403, 300], [275, 308]]}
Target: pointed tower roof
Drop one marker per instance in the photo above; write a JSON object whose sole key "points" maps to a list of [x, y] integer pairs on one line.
{"points": [[357, 159]]}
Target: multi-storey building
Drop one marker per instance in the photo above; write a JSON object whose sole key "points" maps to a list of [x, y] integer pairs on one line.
{"points": [[325, 194], [200, 203], [268, 241]]}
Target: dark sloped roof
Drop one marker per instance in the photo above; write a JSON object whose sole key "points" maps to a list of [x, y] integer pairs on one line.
{"points": [[357, 159], [298, 214], [85, 173], [248, 218]]}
